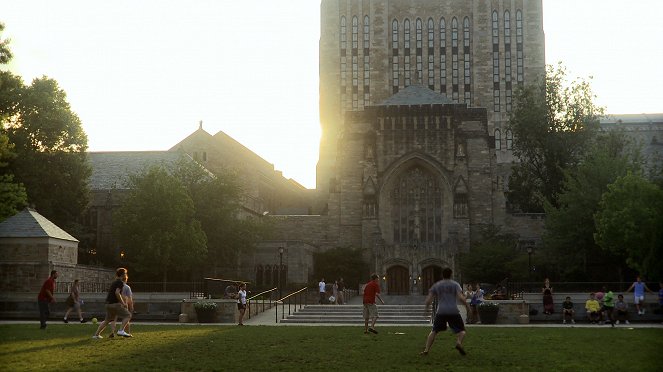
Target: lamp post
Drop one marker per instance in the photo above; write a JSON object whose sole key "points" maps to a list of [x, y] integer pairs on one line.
{"points": [[530, 250], [280, 270]]}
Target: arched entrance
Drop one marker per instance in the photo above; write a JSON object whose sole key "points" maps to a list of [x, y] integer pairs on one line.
{"points": [[398, 281], [430, 275]]}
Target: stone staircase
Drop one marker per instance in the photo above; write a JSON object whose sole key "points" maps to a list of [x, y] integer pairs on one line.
{"points": [[353, 314]]}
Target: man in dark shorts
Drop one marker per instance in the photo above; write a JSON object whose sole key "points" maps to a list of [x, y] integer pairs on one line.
{"points": [[115, 305], [45, 297], [448, 293]]}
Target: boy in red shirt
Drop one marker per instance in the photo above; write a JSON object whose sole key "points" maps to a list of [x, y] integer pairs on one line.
{"points": [[45, 297], [371, 290]]}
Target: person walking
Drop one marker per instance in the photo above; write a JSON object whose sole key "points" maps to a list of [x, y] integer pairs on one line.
{"points": [[241, 302], [448, 293], [608, 306], [115, 305], [74, 301], [128, 296], [323, 291], [371, 291], [341, 292], [46, 297], [335, 292]]}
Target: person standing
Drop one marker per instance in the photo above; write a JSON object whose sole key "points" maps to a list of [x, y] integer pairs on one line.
{"points": [[371, 291], [608, 306], [341, 292], [335, 292], [74, 301], [45, 297], [241, 302], [322, 290], [115, 305], [547, 291], [448, 293], [639, 287], [128, 296]]}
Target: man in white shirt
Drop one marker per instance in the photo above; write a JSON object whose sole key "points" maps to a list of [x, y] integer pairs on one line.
{"points": [[322, 286]]}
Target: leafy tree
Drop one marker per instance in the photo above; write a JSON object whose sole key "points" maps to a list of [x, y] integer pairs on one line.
{"points": [[552, 125], [12, 195], [570, 226], [157, 228], [5, 52], [629, 222], [341, 262], [494, 257], [217, 201], [50, 144]]}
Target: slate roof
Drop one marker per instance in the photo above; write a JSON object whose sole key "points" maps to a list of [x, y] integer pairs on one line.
{"points": [[416, 94], [30, 224], [111, 170]]}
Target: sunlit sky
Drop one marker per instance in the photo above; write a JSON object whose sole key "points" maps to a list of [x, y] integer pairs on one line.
{"points": [[141, 74]]}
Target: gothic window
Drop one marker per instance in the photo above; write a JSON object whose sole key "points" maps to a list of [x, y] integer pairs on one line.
{"points": [[519, 46], [431, 54], [367, 60], [498, 139], [454, 59], [343, 59], [443, 57], [259, 275], [406, 45], [460, 205], [419, 51], [466, 56], [417, 208], [507, 59], [496, 63], [509, 140], [355, 63], [394, 64]]}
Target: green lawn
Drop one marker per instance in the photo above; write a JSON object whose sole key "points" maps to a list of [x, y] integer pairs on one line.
{"points": [[261, 348]]}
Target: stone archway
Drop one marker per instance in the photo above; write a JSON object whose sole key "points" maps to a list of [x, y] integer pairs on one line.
{"points": [[430, 275], [398, 280]]}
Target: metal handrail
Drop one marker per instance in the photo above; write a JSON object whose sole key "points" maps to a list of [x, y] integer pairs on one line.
{"points": [[262, 300], [295, 295]]}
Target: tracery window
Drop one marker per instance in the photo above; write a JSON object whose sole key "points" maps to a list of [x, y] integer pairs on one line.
{"points": [[344, 45], [507, 59], [417, 208], [509, 140], [467, 62], [454, 59], [419, 51], [496, 63], [498, 139], [367, 62], [519, 46], [406, 45], [394, 56], [355, 63], [443, 57], [431, 54]]}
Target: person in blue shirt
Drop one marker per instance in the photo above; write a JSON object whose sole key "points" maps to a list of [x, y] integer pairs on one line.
{"points": [[639, 287]]}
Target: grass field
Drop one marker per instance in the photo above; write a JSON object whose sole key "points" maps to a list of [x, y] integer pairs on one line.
{"points": [[261, 348]]}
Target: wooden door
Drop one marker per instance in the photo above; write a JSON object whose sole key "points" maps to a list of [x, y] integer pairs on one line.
{"points": [[398, 280], [430, 275]]}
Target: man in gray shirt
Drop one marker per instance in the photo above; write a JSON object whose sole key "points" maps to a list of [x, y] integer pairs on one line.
{"points": [[448, 293]]}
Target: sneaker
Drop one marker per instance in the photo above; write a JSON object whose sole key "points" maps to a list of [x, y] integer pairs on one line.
{"points": [[460, 349], [372, 330], [111, 335], [65, 320], [97, 336], [123, 333], [617, 322], [564, 321], [643, 311], [573, 321], [83, 321], [626, 322]]}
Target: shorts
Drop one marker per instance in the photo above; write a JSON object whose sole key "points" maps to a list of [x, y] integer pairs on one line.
{"points": [[455, 323], [116, 310], [638, 299], [370, 311], [241, 306]]}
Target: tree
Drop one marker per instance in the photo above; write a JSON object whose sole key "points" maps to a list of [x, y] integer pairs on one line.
{"points": [[629, 222], [5, 52], [157, 228], [12, 195], [51, 148], [552, 125], [570, 226], [493, 258], [341, 262]]}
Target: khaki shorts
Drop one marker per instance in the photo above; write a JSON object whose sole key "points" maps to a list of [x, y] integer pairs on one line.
{"points": [[113, 310], [370, 311]]}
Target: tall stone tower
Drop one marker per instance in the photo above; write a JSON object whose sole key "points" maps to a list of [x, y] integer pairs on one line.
{"points": [[474, 52]]}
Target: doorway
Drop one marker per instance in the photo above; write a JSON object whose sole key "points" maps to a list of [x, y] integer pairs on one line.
{"points": [[398, 281], [429, 275]]}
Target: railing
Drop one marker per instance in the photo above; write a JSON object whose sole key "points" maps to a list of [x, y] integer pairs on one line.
{"points": [[295, 297], [515, 289], [262, 298]]}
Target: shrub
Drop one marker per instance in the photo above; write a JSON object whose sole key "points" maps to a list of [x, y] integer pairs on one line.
{"points": [[205, 305]]}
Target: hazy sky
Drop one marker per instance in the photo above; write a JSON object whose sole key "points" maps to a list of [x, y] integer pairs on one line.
{"points": [[141, 74]]}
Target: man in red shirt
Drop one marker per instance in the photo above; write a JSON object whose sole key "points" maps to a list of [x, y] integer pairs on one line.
{"points": [[371, 290], [45, 297]]}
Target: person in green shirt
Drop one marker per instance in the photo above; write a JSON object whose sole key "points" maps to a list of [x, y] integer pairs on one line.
{"points": [[608, 306]]}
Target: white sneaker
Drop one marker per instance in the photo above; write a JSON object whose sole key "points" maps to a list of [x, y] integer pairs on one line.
{"points": [[626, 322], [99, 336], [564, 321], [573, 321], [122, 333], [617, 322]]}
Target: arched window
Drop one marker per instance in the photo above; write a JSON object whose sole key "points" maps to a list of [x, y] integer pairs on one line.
{"points": [[507, 59], [394, 56], [367, 61], [355, 63], [519, 47], [406, 45], [496, 63], [443, 57], [454, 59], [344, 45], [509, 140], [498, 139], [431, 54], [466, 55]]}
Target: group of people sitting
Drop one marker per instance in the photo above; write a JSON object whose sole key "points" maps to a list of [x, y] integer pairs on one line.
{"points": [[601, 307]]}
